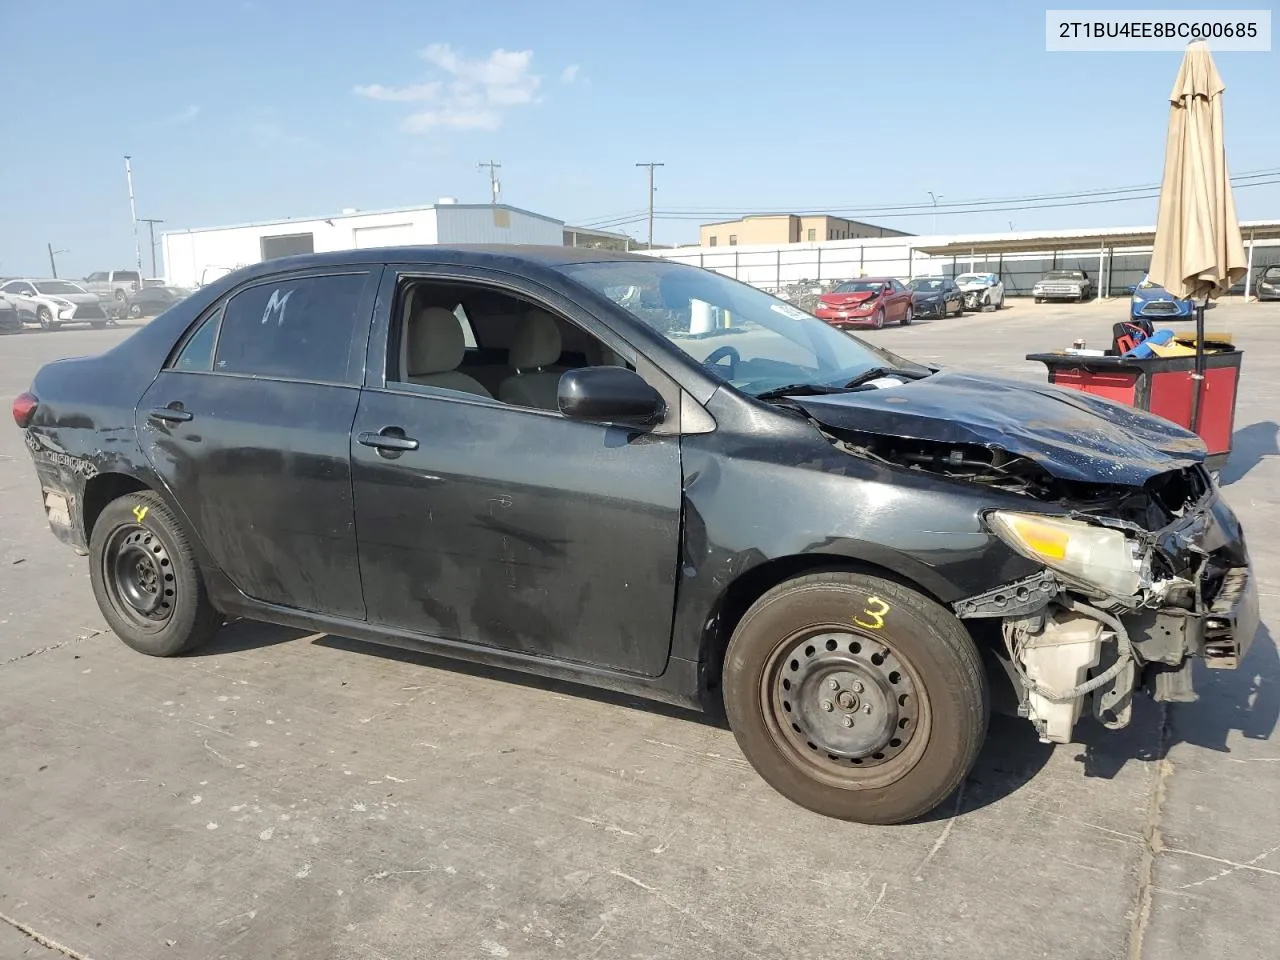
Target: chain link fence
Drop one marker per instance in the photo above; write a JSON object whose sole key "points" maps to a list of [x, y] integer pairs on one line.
{"points": [[802, 275]]}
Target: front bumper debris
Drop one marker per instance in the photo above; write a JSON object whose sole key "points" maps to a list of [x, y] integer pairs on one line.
{"points": [[1067, 644]]}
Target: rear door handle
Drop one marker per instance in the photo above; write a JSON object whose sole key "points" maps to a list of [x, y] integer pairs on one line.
{"points": [[390, 439], [170, 415]]}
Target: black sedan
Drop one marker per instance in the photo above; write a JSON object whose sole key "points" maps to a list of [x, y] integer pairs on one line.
{"points": [[936, 297], [643, 476], [152, 301]]}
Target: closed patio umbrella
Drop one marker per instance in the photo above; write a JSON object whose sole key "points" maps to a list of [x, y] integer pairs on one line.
{"points": [[1198, 251]]}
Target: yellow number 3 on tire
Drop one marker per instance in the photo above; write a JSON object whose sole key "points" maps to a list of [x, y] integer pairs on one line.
{"points": [[874, 612]]}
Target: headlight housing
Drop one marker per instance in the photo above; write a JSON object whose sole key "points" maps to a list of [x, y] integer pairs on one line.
{"points": [[1098, 556]]}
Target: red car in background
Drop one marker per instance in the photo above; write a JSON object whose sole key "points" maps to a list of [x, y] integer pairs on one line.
{"points": [[868, 301]]}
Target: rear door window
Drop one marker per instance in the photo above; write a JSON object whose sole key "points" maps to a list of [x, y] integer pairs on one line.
{"points": [[297, 329]]}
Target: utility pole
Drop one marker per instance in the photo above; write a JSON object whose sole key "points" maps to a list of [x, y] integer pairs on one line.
{"points": [[494, 186], [137, 249], [53, 263], [151, 232], [651, 192], [935, 200]]}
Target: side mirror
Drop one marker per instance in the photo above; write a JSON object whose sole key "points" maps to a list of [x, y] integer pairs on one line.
{"points": [[609, 395]]}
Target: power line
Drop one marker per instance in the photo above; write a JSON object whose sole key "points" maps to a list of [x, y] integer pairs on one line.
{"points": [[888, 214], [1034, 201]]}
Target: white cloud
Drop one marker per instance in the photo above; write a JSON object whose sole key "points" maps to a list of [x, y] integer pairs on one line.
{"points": [[417, 91], [470, 94], [569, 73], [185, 115]]}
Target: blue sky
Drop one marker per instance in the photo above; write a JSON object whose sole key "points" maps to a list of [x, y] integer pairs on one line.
{"points": [[256, 109]]}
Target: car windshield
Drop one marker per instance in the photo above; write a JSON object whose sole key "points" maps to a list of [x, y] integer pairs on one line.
{"points": [[920, 284], [754, 341], [1064, 275], [976, 278], [57, 288], [859, 286]]}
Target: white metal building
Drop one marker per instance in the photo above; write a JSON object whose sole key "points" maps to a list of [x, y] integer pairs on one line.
{"points": [[198, 256]]}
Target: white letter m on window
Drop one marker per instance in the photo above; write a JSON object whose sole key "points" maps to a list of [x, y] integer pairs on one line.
{"points": [[276, 306]]}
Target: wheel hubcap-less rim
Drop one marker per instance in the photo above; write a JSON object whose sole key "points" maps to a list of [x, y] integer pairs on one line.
{"points": [[846, 708], [139, 576]]}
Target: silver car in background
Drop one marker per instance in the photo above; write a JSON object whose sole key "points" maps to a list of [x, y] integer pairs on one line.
{"points": [[51, 303]]}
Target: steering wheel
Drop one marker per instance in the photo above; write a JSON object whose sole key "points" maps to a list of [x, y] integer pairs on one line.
{"points": [[719, 353]]}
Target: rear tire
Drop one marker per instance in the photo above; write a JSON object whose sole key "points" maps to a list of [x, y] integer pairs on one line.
{"points": [[907, 317], [146, 579], [856, 697]]}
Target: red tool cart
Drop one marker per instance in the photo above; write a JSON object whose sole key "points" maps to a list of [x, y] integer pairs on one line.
{"points": [[1165, 386]]}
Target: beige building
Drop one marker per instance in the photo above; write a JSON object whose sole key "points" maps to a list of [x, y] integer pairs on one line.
{"points": [[788, 228]]}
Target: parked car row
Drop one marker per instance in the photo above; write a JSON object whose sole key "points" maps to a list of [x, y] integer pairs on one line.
{"points": [[51, 303], [875, 301]]}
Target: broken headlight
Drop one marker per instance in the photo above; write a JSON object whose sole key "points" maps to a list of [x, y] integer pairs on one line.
{"points": [[1097, 556]]}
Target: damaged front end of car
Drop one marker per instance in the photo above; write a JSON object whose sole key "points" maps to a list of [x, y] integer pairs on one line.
{"points": [[1142, 565]]}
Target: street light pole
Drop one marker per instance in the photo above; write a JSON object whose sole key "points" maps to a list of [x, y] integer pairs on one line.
{"points": [[651, 192], [151, 233], [53, 263], [935, 200], [128, 174]]}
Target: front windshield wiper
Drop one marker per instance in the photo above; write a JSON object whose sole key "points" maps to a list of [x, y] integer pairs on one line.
{"points": [[876, 372], [796, 388]]}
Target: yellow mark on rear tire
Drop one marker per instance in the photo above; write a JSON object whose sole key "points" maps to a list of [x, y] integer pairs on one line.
{"points": [[140, 513], [874, 611]]}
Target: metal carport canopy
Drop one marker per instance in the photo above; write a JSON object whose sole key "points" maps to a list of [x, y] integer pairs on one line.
{"points": [[1047, 240]]}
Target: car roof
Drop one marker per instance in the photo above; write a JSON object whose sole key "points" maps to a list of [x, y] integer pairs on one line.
{"points": [[480, 254], [867, 280]]}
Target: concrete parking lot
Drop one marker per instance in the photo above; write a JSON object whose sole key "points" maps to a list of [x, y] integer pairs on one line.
{"points": [[280, 795]]}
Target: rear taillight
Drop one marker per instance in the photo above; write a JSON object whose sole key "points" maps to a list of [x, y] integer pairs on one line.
{"points": [[24, 409]]}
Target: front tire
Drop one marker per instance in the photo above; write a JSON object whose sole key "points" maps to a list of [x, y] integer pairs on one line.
{"points": [[856, 697], [878, 320], [45, 318], [146, 579]]}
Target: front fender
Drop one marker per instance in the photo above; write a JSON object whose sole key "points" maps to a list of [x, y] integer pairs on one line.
{"points": [[829, 509]]}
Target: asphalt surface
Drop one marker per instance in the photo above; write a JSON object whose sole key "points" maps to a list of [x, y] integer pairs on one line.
{"points": [[280, 795]]}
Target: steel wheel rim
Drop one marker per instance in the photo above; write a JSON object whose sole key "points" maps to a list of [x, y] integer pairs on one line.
{"points": [[138, 574], [877, 748]]}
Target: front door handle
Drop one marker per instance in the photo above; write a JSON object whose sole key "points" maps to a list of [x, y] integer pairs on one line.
{"points": [[173, 414], [389, 441]]}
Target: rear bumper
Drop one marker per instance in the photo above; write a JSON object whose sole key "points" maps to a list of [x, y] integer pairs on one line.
{"points": [[62, 484]]}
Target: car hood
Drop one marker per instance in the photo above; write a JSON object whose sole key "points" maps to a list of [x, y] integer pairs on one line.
{"points": [[974, 285], [847, 298], [77, 298], [1072, 435], [1154, 293]]}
